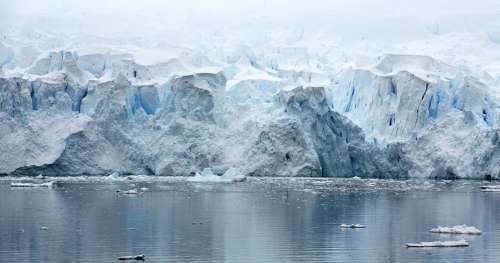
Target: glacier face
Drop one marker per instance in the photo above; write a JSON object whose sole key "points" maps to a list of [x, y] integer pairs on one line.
{"points": [[178, 128], [283, 111], [446, 118], [402, 95]]}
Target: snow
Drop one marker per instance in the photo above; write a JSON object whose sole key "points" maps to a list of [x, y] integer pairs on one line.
{"points": [[289, 101], [459, 229], [458, 243], [423, 67]]}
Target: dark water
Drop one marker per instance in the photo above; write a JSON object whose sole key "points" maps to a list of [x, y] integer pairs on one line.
{"points": [[257, 221]]}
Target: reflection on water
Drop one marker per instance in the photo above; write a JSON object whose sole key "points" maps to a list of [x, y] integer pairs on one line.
{"points": [[256, 221]]}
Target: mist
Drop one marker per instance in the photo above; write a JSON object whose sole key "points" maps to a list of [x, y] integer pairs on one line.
{"points": [[343, 17]]}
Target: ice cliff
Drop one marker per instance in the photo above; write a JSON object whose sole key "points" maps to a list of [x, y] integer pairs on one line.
{"points": [[446, 118], [94, 114]]}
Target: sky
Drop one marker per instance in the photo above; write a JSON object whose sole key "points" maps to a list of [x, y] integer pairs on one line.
{"points": [[244, 7], [363, 17]]}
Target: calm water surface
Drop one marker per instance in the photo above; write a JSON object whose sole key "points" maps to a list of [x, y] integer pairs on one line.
{"points": [[261, 220]]}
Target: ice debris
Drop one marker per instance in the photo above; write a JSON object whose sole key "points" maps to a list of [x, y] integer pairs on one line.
{"points": [[114, 176], [490, 190], [352, 226], [457, 243], [40, 177], [459, 229], [230, 176], [48, 184], [490, 187], [138, 257], [128, 192]]}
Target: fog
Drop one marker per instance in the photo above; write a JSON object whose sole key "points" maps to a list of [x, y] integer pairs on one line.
{"points": [[243, 7], [383, 19]]}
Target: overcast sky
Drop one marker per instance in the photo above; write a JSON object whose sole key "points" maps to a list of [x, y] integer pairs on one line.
{"points": [[242, 7], [136, 15]]}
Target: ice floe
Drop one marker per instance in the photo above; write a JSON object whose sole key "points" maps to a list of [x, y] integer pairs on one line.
{"points": [[459, 229], [352, 226], [128, 192], [457, 243], [114, 176], [21, 184], [230, 176], [490, 188], [138, 257]]}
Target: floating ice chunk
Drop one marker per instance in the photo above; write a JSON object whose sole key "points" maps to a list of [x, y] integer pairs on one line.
{"points": [[352, 226], [144, 189], [234, 175], [138, 257], [207, 172], [460, 229], [128, 192], [231, 175], [458, 243], [44, 228], [206, 176], [114, 176], [40, 177], [48, 184], [356, 178], [490, 188]]}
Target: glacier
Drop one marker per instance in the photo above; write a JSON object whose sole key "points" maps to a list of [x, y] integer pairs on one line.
{"points": [[284, 110]]}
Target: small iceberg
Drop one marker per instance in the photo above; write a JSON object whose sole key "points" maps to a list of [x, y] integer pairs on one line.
{"points": [[490, 190], [352, 226], [114, 176], [232, 175], [460, 229], [21, 185], [138, 257], [41, 177], [490, 187], [128, 192], [458, 243]]}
